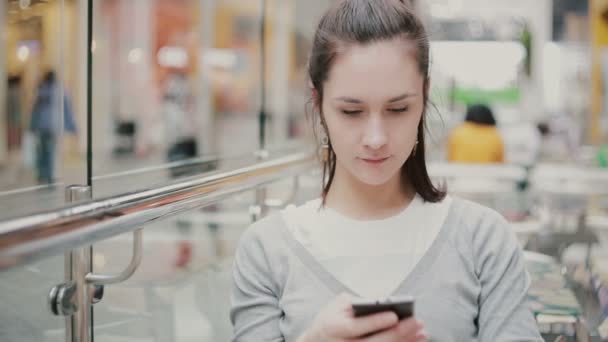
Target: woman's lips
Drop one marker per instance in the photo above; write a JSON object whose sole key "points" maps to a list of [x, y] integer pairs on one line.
{"points": [[375, 161]]}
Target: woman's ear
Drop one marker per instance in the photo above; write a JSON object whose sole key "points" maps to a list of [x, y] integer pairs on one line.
{"points": [[314, 95], [313, 91]]}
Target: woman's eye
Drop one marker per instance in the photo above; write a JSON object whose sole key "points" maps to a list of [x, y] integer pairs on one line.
{"points": [[399, 110], [351, 112]]}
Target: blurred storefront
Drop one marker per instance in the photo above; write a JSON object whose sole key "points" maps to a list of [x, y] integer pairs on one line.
{"points": [[209, 50], [528, 60]]}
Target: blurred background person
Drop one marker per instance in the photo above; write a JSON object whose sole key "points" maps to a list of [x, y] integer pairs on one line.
{"points": [[180, 131], [180, 125], [13, 109], [47, 125], [477, 140]]}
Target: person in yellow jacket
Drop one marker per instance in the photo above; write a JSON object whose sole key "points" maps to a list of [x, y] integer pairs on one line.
{"points": [[477, 140]]}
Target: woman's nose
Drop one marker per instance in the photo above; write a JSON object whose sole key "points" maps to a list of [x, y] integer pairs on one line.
{"points": [[375, 135]]}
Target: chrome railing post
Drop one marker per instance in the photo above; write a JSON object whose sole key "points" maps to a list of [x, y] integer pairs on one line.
{"points": [[81, 266], [72, 299], [81, 320]]}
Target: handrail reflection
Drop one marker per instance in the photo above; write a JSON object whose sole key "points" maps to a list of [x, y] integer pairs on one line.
{"points": [[30, 238]]}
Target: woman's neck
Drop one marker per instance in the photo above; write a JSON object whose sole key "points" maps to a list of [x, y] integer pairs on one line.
{"points": [[353, 198]]}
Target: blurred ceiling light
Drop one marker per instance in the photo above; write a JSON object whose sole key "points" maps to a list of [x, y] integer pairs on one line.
{"points": [[23, 52], [220, 58], [24, 4], [93, 46], [135, 56], [172, 57]]}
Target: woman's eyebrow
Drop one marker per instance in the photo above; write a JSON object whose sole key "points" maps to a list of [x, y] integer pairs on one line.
{"points": [[357, 101], [348, 99], [401, 97]]}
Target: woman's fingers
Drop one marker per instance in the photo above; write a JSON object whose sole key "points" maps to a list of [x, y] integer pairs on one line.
{"points": [[409, 327], [366, 325], [408, 330]]}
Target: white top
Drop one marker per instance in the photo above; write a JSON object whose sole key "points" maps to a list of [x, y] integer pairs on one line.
{"points": [[371, 257]]}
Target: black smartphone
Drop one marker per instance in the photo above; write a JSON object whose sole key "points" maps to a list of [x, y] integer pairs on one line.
{"points": [[403, 307]]}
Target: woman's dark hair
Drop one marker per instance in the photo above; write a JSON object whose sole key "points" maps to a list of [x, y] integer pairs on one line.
{"points": [[355, 22], [480, 114]]}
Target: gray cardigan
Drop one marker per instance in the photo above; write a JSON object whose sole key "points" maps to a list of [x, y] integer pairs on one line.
{"points": [[470, 285]]}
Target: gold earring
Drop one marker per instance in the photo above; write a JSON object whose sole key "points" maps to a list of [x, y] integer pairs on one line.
{"points": [[415, 148], [325, 149]]}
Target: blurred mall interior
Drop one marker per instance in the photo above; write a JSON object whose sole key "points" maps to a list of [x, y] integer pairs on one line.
{"points": [[142, 95]]}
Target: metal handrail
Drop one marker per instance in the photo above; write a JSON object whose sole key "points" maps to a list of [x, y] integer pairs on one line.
{"points": [[26, 239]]}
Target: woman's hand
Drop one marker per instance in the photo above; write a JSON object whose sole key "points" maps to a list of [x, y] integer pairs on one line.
{"points": [[336, 323]]}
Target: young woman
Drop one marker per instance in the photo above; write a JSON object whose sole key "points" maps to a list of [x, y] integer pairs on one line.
{"points": [[380, 228]]}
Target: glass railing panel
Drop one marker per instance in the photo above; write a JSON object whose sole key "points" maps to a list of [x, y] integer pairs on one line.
{"points": [[180, 292], [23, 201], [24, 293], [183, 85], [165, 173], [42, 104]]}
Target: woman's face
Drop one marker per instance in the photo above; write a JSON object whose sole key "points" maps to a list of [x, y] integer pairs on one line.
{"points": [[372, 105]]}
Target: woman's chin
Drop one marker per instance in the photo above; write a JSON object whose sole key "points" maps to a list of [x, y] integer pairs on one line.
{"points": [[375, 180]]}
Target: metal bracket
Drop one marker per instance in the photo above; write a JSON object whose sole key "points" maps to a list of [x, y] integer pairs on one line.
{"points": [[102, 279], [62, 298]]}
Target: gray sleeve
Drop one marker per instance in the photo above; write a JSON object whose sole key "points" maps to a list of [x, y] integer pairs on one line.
{"points": [[499, 263], [255, 311]]}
